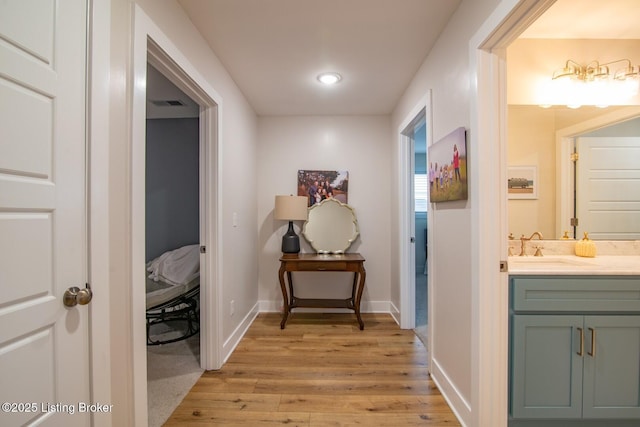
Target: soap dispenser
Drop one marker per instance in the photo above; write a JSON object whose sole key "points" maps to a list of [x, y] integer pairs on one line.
{"points": [[586, 247]]}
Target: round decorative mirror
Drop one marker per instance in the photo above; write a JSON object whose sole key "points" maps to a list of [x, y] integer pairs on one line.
{"points": [[331, 227]]}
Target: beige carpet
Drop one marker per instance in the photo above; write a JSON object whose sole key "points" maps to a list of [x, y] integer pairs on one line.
{"points": [[421, 332], [172, 369]]}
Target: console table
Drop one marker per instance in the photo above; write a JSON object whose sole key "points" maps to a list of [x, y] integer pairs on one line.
{"points": [[350, 262]]}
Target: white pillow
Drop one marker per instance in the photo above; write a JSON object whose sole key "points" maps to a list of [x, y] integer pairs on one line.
{"points": [[176, 267]]}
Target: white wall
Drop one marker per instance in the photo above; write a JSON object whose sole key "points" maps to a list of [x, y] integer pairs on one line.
{"points": [[238, 141], [358, 144], [447, 73]]}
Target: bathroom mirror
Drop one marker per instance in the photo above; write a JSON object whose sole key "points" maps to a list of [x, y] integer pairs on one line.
{"points": [[546, 138], [331, 227]]}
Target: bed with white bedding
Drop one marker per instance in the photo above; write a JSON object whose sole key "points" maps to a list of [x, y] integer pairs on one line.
{"points": [[172, 291]]}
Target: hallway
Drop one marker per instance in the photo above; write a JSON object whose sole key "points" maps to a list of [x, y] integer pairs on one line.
{"points": [[320, 371]]}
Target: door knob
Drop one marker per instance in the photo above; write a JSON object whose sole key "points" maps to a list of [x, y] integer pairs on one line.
{"points": [[74, 296]]}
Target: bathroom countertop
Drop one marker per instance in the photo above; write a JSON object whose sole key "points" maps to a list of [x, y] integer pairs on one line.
{"points": [[575, 265]]}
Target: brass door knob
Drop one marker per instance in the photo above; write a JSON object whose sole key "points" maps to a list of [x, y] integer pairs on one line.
{"points": [[74, 296]]}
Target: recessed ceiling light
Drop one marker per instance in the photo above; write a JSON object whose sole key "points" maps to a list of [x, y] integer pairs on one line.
{"points": [[329, 78]]}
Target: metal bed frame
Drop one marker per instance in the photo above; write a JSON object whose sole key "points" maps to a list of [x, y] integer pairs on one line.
{"points": [[184, 308]]}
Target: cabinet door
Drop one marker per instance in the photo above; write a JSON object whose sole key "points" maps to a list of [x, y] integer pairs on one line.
{"points": [[547, 367], [612, 370]]}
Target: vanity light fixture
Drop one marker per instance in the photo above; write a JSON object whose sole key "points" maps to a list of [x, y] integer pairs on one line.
{"points": [[595, 83], [596, 71], [329, 78]]}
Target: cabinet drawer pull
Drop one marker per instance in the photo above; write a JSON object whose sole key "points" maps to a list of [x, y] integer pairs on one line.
{"points": [[581, 351], [593, 343]]}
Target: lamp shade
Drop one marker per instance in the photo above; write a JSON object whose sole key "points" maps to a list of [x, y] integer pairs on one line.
{"points": [[291, 208]]}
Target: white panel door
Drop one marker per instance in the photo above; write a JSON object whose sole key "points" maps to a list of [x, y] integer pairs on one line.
{"points": [[44, 357], [608, 187]]}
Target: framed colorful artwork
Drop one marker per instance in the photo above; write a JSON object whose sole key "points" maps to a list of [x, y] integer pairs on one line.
{"points": [[447, 168], [319, 185]]}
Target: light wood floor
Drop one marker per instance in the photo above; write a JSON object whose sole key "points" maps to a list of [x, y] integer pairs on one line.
{"points": [[321, 370]]}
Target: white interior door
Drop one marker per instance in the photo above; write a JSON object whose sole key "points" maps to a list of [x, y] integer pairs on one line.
{"points": [[608, 187], [44, 357]]}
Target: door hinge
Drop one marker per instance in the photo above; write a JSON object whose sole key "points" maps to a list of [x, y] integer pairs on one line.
{"points": [[504, 266], [412, 240], [575, 157], [203, 249], [574, 222]]}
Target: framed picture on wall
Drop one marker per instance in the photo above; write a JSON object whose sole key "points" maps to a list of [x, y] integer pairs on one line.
{"points": [[522, 182], [318, 185], [447, 167]]}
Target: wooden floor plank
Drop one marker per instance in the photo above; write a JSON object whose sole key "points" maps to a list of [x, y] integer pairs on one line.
{"points": [[363, 404], [235, 418], [320, 371], [384, 373], [381, 420]]}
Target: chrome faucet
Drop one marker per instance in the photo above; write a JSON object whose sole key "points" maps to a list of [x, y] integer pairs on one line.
{"points": [[524, 239]]}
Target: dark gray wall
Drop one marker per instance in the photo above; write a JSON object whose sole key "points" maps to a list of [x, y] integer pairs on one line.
{"points": [[172, 185]]}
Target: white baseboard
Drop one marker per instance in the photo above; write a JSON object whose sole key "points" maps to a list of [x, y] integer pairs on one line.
{"points": [[395, 312], [232, 342], [451, 394]]}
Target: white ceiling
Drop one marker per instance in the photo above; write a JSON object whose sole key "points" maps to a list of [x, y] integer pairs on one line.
{"points": [[588, 19], [275, 49]]}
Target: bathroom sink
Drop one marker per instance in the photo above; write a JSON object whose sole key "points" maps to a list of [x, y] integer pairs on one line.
{"points": [[547, 260], [550, 264], [572, 264]]}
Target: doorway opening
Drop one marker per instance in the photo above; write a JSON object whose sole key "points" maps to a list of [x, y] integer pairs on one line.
{"points": [[414, 234], [151, 46], [172, 245], [420, 195]]}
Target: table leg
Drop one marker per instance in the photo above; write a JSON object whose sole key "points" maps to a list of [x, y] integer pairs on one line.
{"points": [[362, 276], [285, 298]]}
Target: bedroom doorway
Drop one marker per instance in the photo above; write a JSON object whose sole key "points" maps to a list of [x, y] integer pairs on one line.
{"points": [[152, 46], [172, 244]]}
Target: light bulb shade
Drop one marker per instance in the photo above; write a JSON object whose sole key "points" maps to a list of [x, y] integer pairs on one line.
{"points": [[329, 78], [568, 71], [629, 72], [291, 208]]}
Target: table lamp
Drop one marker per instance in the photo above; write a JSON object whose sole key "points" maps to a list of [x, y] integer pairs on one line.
{"points": [[291, 208]]}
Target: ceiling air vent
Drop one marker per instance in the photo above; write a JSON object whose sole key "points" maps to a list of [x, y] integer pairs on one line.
{"points": [[168, 103]]}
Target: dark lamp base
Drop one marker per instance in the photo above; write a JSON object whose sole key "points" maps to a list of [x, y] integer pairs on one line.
{"points": [[290, 241]]}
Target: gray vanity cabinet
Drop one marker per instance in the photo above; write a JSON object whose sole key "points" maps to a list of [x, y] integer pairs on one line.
{"points": [[575, 350], [546, 370], [611, 375]]}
